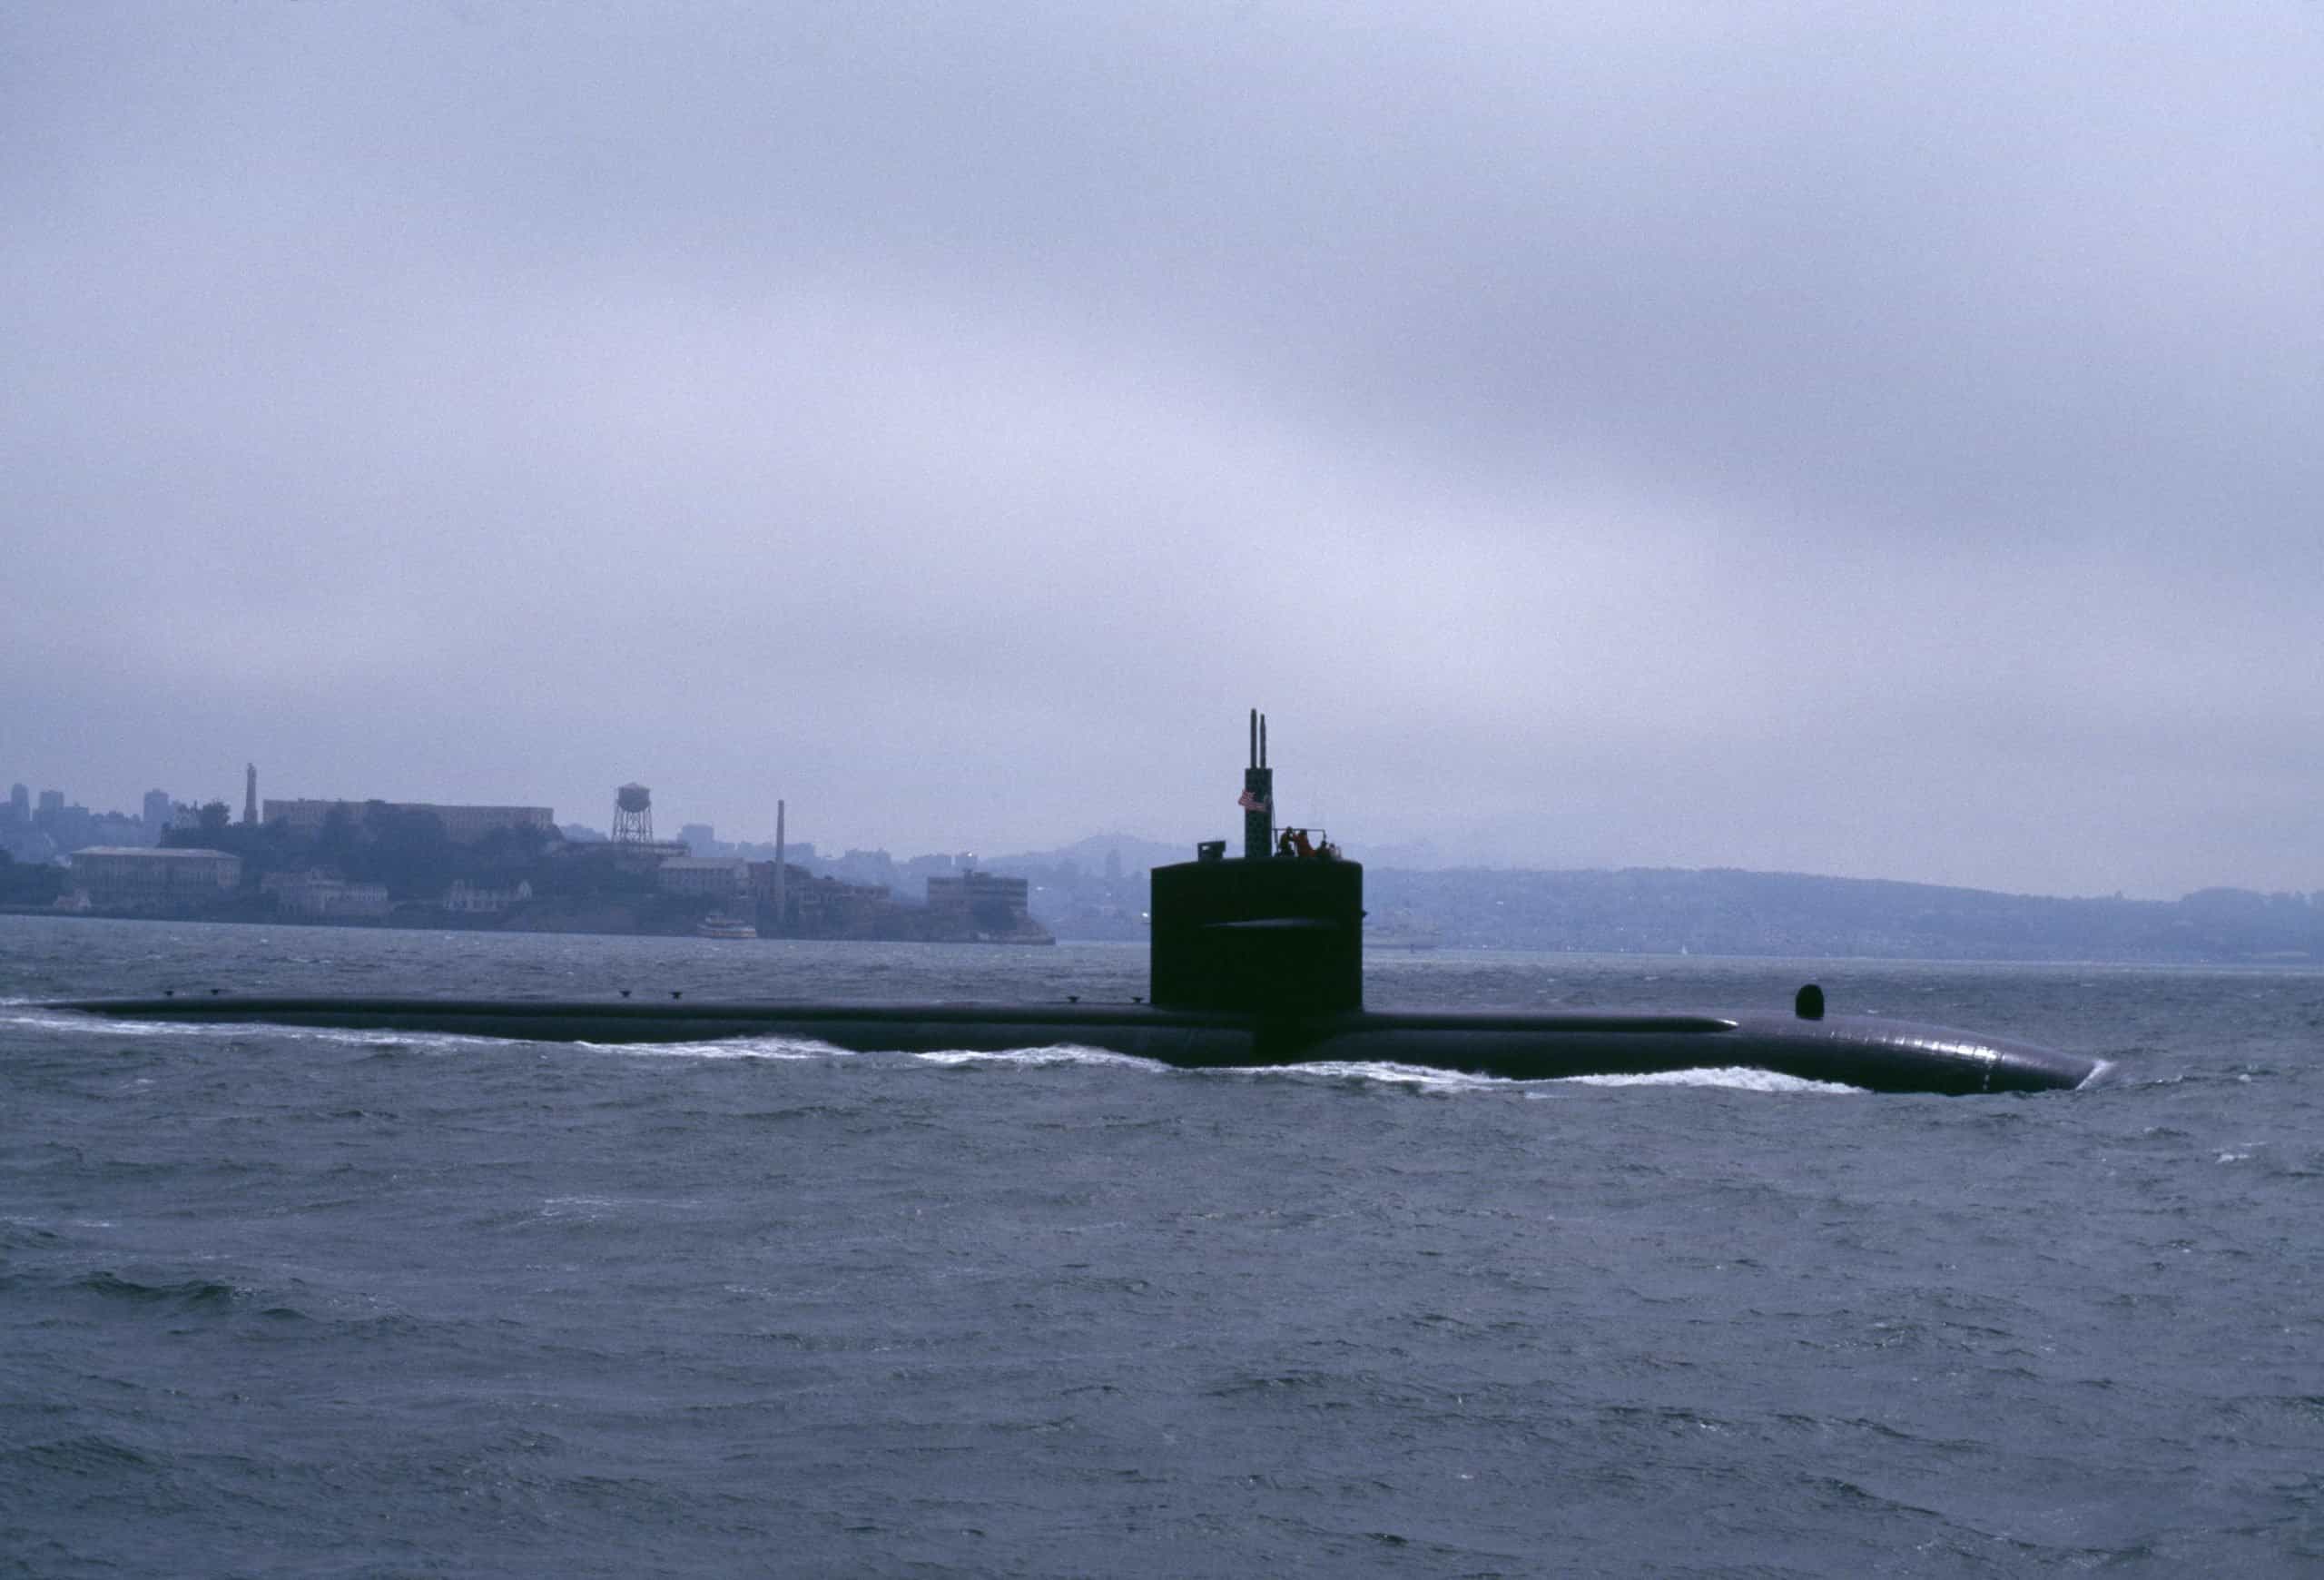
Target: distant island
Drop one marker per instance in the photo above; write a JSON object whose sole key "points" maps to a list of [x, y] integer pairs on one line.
{"points": [[379, 863]]}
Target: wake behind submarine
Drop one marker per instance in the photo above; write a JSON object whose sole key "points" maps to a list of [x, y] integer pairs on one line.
{"points": [[1257, 960]]}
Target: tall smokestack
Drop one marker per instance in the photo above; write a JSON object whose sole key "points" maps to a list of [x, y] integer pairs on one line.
{"points": [[782, 913], [250, 793]]}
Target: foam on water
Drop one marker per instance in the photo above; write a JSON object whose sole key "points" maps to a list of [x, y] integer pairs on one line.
{"points": [[73, 1023], [1735, 1078], [776, 1048], [1385, 1071], [65, 1021], [1036, 1058]]}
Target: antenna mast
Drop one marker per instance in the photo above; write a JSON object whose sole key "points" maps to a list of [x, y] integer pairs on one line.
{"points": [[1258, 796]]}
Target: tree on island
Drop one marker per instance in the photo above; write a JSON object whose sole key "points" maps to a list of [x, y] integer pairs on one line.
{"points": [[515, 852], [337, 841], [29, 883], [409, 852]]}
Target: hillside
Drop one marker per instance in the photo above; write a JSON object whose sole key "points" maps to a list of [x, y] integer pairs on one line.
{"points": [[1723, 911]]}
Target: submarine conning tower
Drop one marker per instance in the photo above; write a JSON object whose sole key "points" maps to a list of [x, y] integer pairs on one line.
{"points": [[1277, 931]]}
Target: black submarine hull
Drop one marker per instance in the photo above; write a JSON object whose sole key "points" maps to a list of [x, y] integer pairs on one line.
{"points": [[1874, 1054]]}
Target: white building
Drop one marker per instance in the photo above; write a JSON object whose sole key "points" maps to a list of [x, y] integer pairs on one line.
{"points": [[713, 877], [471, 900], [133, 876], [461, 824], [313, 894]]}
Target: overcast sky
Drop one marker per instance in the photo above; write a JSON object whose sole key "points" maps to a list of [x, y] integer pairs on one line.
{"points": [[1875, 440]]}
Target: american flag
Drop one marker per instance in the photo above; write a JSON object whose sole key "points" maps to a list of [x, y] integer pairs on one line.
{"points": [[1250, 803]]}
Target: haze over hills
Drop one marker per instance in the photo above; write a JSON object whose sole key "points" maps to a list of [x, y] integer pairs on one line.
{"points": [[1729, 912], [1724, 911], [1094, 888]]}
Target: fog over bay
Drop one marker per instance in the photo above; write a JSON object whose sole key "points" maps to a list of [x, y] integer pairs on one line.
{"points": [[1874, 442]]}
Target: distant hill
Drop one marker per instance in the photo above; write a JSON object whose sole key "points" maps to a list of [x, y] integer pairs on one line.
{"points": [[1138, 855], [1724, 911]]}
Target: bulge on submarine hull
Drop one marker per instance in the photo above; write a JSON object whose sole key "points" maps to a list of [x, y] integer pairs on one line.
{"points": [[1257, 960]]}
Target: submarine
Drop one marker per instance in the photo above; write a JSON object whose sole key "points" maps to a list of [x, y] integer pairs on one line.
{"points": [[1256, 960]]}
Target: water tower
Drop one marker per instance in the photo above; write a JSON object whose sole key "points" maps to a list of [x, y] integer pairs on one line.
{"points": [[634, 816]]}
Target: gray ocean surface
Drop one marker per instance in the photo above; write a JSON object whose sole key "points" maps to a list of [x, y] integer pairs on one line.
{"points": [[281, 1302]]}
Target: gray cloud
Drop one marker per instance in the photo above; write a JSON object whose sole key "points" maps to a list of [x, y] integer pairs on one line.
{"points": [[1855, 441]]}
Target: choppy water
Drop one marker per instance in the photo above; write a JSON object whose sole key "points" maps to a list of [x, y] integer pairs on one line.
{"points": [[292, 1303]]}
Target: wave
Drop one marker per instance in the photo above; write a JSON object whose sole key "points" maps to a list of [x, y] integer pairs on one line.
{"points": [[281, 1305], [1038, 1058], [1735, 1078], [90, 1456], [1379, 1069], [776, 1048], [68, 1021], [41, 1020], [189, 1293]]}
